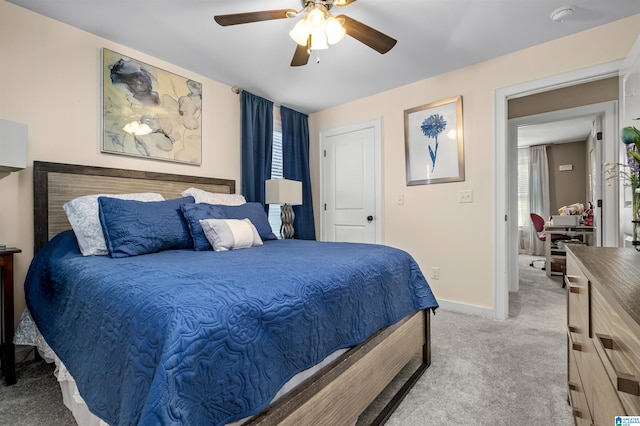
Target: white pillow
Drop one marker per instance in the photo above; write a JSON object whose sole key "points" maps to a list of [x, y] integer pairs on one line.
{"points": [[230, 234], [202, 196], [82, 213]]}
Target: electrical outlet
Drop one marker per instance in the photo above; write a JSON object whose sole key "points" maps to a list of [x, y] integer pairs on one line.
{"points": [[465, 196], [435, 272]]}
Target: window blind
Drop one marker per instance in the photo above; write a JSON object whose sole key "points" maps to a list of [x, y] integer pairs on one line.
{"points": [[276, 168]]}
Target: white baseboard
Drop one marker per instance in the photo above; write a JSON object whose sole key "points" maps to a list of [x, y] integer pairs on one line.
{"points": [[464, 308]]}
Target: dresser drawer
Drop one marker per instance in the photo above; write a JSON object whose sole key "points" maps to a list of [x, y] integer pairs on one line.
{"points": [[577, 397], [578, 300], [619, 351], [605, 404]]}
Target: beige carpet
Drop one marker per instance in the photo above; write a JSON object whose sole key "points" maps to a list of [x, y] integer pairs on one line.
{"points": [[490, 372]]}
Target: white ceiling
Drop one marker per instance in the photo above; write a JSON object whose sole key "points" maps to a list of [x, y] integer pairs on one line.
{"points": [[562, 131], [434, 36]]}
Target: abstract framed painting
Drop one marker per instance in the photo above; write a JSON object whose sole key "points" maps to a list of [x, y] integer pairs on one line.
{"points": [[149, 112], [434, 146]]}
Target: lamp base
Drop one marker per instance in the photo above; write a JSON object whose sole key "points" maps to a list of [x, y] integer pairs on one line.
{"points": [[287, 217]]}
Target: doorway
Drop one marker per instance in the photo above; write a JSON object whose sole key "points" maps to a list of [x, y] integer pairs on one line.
{"points": [[506, 172], [580, 125]]}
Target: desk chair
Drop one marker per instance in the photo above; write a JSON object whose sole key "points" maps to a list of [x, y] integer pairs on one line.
{"points": [[538, 225]]}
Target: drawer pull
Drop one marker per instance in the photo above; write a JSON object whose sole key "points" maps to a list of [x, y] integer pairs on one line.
{"points": [[573, 329], [577, 413], [626, 383], [577, 347], [573, 386], [574, 289], [568, 279], [606, 341]]}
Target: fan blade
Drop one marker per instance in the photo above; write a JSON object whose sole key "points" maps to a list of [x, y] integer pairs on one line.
{"points": [[248, 17], [300, 56], [365, 34]]}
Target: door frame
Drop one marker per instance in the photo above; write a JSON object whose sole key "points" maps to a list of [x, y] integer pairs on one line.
{"points": [[505, 258], [606, 111], [376, 125]]}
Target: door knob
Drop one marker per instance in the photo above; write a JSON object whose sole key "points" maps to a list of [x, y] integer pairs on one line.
{"points": [[369, 218]]}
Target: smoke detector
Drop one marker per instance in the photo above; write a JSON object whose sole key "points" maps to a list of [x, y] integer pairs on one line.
{"points": [[561, 14]]}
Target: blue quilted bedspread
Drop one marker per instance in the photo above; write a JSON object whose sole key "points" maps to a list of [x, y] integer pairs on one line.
{"points": [[204, 338]]}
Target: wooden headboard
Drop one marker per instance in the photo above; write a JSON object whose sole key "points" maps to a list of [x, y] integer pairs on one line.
{"points": [[54, 184]]}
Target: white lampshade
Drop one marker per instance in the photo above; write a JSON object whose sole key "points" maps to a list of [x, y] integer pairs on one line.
{"points": [[13, 146], [335, 31], [316, 21], [283, 191], [318, 42], [300, 33]]}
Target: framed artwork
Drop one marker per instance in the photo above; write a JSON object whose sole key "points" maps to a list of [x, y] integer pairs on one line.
{"points": [[149, 112], [434, 147]]}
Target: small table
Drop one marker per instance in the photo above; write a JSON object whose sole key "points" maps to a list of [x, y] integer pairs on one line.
{"points": [[8, 350], [571, 230]]}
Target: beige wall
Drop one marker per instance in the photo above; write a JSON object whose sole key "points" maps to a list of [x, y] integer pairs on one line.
{"points": [[50, 80], [432, 225]]}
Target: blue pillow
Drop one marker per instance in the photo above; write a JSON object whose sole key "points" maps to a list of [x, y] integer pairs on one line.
{"points": [[194, 213], [138, 227]]}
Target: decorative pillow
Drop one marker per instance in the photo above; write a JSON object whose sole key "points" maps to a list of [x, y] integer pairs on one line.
{"points": [[134, 227], [202, 196], [194, 213], [82, 213], [230, 234]]}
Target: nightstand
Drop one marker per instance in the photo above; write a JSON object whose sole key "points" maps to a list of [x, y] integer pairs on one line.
{"points": [[7, 349]]}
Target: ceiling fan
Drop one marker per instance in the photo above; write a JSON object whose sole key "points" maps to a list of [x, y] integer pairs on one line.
{"points": [[317, 28]]}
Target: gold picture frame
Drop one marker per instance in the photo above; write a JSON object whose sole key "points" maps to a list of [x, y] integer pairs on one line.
{"points": [[434, 144]]}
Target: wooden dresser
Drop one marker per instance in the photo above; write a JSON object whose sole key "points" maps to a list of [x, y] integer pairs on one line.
{"points": [[603, 333]]}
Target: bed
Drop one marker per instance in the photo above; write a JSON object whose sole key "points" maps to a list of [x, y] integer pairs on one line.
{"points": [[174, 364]]}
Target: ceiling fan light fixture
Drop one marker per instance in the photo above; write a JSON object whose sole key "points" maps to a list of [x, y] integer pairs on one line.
{"points": [[300, 33], [318, 42], [316, 21], [335, 31]]}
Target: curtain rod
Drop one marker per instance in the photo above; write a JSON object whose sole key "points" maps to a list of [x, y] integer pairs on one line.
{"points": [[237, 91]]}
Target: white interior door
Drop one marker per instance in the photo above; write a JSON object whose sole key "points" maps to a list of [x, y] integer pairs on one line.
{"points": [[350, 183]]}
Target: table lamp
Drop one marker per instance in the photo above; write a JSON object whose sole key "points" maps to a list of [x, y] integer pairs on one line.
{"points": [[13, 146], [13, 149], [287, 193]]}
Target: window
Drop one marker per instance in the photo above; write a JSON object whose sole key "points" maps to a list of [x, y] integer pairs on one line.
{"points": [[276, 168]]}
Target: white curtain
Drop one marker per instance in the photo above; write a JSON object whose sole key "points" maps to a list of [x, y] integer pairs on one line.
{"points": [[533, 195]]}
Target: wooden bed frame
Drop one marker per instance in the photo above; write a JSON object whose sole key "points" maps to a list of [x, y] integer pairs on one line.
{"points": [[338, 393]]}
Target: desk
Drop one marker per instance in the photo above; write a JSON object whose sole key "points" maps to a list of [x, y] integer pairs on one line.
{"points": [[550, 229], [8, 350]]}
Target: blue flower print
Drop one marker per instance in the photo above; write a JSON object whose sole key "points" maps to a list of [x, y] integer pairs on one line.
{"points": [[432, 126]]}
